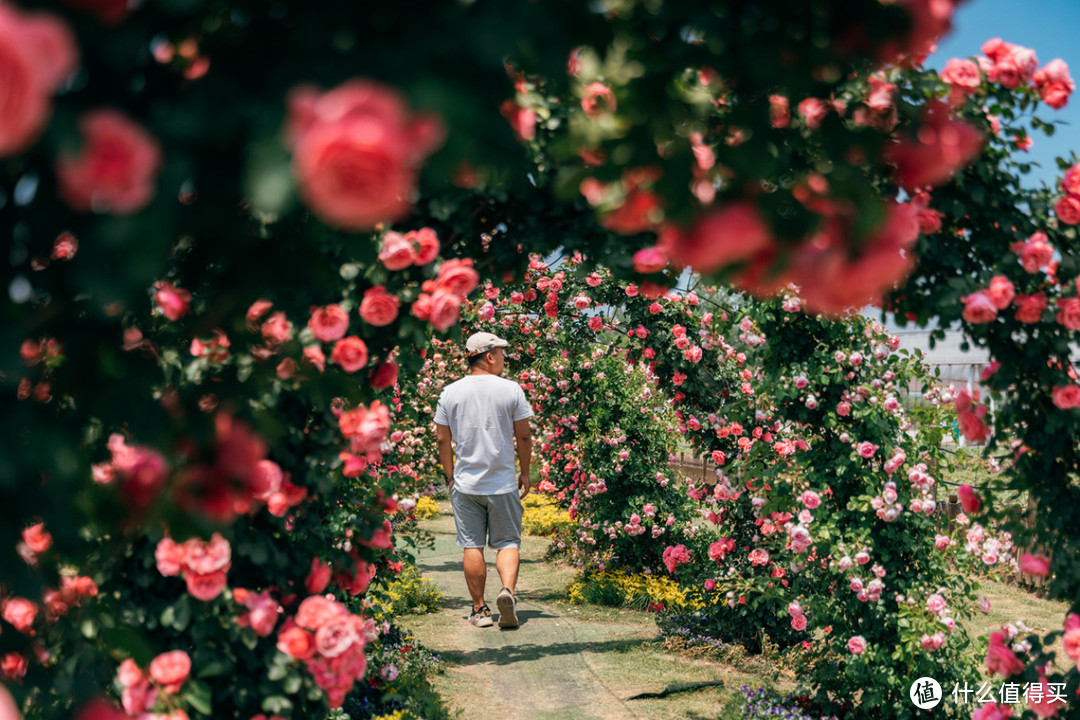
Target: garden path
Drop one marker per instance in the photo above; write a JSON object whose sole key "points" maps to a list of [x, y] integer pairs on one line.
{"points": [[552, 666]]}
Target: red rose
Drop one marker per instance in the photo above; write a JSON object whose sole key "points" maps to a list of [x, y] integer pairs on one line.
{"points": [[27, 80], [296, 642], [385, 376], [20, 613], [379, 308], [1030, 308], [206, 587], [1066, 397], [13, 667], [942, 147], [37, 538], [350, 353], [318, 578], [329, 323], [116, 169], [731, 234]]}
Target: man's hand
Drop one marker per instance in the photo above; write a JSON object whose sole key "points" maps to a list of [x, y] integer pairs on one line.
{"points": [[524, 484], [449, 483]]}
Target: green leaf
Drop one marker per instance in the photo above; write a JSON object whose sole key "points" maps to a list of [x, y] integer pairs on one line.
{"points": [[199, 696]]}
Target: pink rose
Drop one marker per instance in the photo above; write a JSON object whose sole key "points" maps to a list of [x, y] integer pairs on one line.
{"points": [[1001, 292], [20, 613], [351, 354], [522, 120], [857, 645], [65, 246], [963, 74], [318, 578], [256, 311], [173, 302], [1067, 209], [968, 500], [810, 499], [675, 556], [650, 260], [972, 426], [171, 669], [1071, 642], [29, 77], [37, 538], [1070, 183], [759, 557], [170, 557], [397, 251], [936, 604], [798, 623], [942, 147], [779, 111], [866, 449], [1066, 397], [719, 549], [445, 309], [596, 323], [379, 308], [329, 323], [457, 276], [335, 637], [1030, 308], [357, 153], [1035, 253], [813, 111], [597, 100], [731, 234], [1054, 83], [366, 427], [314, 356], [1000, 659], [316, 611], [116, 169], [1037, 565], [277, 330], [427, 245], [1068, 313]]}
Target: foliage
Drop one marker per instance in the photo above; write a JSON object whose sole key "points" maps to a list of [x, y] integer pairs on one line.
{"points": [[543, 516], [407, 594], [426, 508], [619, 588]]}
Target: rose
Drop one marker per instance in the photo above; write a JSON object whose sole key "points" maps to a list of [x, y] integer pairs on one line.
{"points": [[335, 637], [314, 356], [397, 251], [116, 169], [1037, 565], [205, 587], [170, 669], [866, 449], [385, 375], [25, 106], [379, 308], [1069, 313], [350, 354], [457, 276], [207, 557], [1030, 308], [1054, 83], [980, 307], [1070, 182], [734, 233], [650, 260], [316, 611], [20, 613], [173, 302], [37, 538], [857, 645], [936, 604], [170, 557], [328, 323], [1001, 292], [522, 120], [968, 500], [445, 309], [798, 622], [597, 100], [318, 578], [962, 74], [943, 146], [296, 642], [427, 243], [277, 330], [1066, 397], [1000, 659], [1067, 209]]}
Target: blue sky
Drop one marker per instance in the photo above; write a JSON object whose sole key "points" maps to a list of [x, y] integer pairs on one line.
{"points": [[1047, 26]]}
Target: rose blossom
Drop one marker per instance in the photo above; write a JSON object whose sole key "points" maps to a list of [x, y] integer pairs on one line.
{"points": [[1069, 313], [357, 152], [962, 74], [867, 449], [20, 613], [1037, 565], [171, 669], [427, 245], [798, 622], [728, 235], [328, 323], [968, 500], [379, 308], [458, 276], [277, 330], [317, 611], [936, 604], [1030, 308], [397, 251], [335, 637], [1066, 397], [385, 375], [857, 645], [943, 146], [1000, 659], [1067, 209], [116, 169], [351, 354], [979, 307], [173, 302], [1054, 83], [1070, 182], [296, 642], [445, 309]]}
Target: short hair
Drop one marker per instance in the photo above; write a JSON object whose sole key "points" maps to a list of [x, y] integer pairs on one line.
{"points": [[476, 359]]}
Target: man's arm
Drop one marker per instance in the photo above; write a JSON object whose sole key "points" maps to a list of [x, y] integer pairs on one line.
{"points": [[524, 449], [446, 452]]}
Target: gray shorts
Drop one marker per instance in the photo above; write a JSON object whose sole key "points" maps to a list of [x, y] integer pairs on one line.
{"points": [[494, 518]]}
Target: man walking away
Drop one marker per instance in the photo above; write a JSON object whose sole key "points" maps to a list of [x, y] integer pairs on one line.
{"points": [[483, 414]]}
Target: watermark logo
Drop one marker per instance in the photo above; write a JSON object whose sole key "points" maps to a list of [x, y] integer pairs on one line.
{"points": [[926, 693]]}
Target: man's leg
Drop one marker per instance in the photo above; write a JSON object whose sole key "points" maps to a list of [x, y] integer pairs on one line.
{"points": [[506, 563], [475, 575]]}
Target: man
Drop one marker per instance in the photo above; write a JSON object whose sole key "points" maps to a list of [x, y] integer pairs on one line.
{"points": [[484, 414]]}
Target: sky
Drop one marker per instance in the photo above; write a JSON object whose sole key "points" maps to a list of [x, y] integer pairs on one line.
{"points": [[1047, 26]]}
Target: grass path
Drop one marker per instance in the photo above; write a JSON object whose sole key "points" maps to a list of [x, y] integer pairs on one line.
{"points": [[563, 662]]}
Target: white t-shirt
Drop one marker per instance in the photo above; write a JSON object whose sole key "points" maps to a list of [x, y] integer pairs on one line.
{"points": [[480, 411]]}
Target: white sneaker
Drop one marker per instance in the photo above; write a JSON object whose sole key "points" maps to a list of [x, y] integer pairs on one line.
{"points": [[481, 617], [507, 609]]}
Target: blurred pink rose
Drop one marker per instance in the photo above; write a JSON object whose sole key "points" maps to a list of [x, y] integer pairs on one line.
{"points": [[1066, 397], [1067, 209], [1037, 565], [328, 323], [397, 251], [857, 645], [731, 234], [1001, 292], [170, 670], [173, 302], [1054, 83], [943, 146], [597, 100], [116, 168], [445, 309], [968, 500], [379, 308], [350, 354]]}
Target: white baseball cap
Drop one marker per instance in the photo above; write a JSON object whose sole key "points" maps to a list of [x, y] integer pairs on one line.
{"points": [[483, 342]]}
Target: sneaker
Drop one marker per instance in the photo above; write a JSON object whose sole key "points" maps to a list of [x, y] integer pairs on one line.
{"points": [[507, 609], [481, 617]]}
